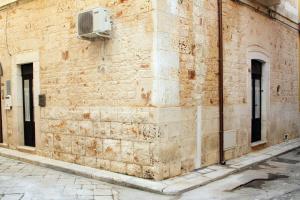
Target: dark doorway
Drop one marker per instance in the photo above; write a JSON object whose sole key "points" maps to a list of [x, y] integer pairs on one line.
{"points": [[28, 109], [256, 70]]}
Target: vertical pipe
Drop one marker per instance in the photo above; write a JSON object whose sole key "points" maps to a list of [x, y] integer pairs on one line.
{"points": [[299, 51], [221, 91]]}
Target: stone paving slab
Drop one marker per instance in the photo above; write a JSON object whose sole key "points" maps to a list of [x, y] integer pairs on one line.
{"points": [[171, 186], [24, 181]]}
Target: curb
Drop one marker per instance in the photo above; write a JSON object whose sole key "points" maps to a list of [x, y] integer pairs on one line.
{"points": [[174, 186]]}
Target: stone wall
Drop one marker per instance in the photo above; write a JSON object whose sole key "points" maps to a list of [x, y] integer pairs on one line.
{"points": [[189, 31], [98, 92], [246, 31]]}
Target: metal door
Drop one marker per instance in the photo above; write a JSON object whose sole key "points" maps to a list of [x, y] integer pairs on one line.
{"points": [[256, 70], [28, 109]]}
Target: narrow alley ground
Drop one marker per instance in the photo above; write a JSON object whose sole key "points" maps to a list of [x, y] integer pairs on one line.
{"points": [[278, 178]]}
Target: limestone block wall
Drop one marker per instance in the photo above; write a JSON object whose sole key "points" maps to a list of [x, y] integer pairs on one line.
{"points": [[98, 110], [193, 41], [245, 32], [111, 104]]}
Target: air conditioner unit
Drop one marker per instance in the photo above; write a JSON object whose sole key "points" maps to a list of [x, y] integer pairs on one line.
{"points": [[269, 3], [94, 23]]}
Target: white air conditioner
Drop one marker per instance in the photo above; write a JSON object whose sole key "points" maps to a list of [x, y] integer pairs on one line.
{"points": [[269, 3], [94, 23]]}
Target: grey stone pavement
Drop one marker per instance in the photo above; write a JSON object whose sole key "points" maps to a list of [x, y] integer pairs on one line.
{"points": [[275, 179], [24, 181]]}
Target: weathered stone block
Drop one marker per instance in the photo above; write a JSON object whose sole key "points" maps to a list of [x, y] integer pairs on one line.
{"points": [[116, 130], [91, 146], [72, 127], [152, 172], [127, 151], [175, 168], [78, 145], [56, 113], [165, 167], [169, 152], [134, 170], [111, 149], [79, 159], [187, 165], [55, 126], [103, 164], [148, 132], [130, 131], [141, 153], [64, 156], [90, 161], [109, 115], [62, 143], [101, 129], [86, 128], [118, 167], [93, 115], [47, 141]]}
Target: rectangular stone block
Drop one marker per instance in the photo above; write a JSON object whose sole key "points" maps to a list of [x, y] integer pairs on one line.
{"points": [[72, 127], [103, 164], [109, 115], [148, 132], [134, 170], [90, 161], [91, 146], [101, 129], [86, 128], [175, 168], [152, 172], [62, 143], [64, 157], [118, 167], [141, 153], [47, 141], [111, 149], [127, 151], [116, 130], [130, 131], [78, 145]]}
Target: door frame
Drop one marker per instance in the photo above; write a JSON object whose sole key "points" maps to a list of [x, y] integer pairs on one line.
{"points": [[17, 96], [258, 53], [1, 121]]}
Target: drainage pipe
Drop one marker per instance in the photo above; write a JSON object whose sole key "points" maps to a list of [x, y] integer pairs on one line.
{"points": [[221, 90]]}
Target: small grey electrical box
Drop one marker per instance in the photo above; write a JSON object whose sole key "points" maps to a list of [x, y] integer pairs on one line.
{"points": [[8, 87], [42, 100]]}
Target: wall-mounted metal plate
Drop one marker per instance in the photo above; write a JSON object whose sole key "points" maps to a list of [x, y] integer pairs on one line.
{"points": [[42, 100], [8, 87]]}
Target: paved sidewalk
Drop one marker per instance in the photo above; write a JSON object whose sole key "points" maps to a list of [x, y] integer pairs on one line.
{"points": [[23, 181], [277, 178], [171, 186]]}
